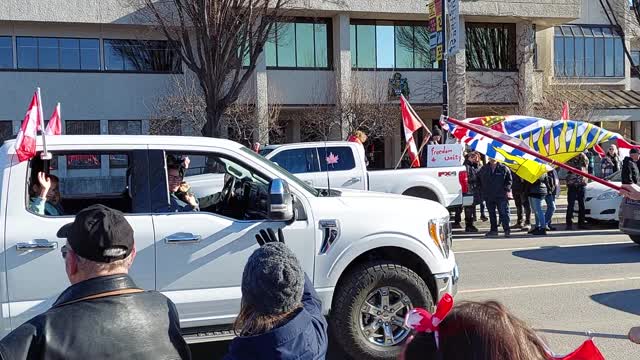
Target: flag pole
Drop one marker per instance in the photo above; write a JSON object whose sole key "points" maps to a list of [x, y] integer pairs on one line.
{"points": [[45, 155], [481, 130]]}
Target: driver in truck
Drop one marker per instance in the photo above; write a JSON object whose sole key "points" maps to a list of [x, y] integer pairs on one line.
{"points": [[185, 203]]}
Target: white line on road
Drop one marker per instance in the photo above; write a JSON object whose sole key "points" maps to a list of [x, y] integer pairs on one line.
{"points": [[548, 285], [541, 247]]}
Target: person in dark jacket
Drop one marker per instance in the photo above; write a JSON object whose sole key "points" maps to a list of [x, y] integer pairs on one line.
{"points": [[538, 192], [103, 314], [630, 174], [472, 163], [553, 191], [495, 183], [281, 314], [575, 191], [521, 199]]}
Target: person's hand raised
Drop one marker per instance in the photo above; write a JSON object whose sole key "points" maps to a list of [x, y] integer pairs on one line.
{"points": [[268, 236], [45, 184]]}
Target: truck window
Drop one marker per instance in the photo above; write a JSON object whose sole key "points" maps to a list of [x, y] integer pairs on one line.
{"points": [[218, 185], [78, 180], [336, 158], [298, 161]]}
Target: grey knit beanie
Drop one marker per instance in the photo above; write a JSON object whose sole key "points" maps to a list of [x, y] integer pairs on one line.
{"points": [[273, 280]]}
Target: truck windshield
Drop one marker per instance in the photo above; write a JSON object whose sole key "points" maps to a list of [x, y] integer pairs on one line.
{"points": [[286, 175]]}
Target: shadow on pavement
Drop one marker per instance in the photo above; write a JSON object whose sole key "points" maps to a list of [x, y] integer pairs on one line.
{"points": [[582, 333], [583, 255], [626, 300]]}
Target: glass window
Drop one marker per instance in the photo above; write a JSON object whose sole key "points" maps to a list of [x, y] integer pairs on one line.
{"points": [[69, 54], [620, 56], [6, 131], [336, 158], [297, 161], [27, 48], [385, 43], [6, 52], [588, 51], [635, 57], [48, 53], [89, 54], [82, 186], [58, 53], [491, 47], [169, 127], [299, 44], [386, 46], [405, 43], [123, 127], [366, 46], [83, 127], [140, 56], [559, 55], [321, 38]]}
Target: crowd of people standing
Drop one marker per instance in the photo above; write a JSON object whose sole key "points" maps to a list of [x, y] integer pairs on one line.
{"points": [[494, 185]]}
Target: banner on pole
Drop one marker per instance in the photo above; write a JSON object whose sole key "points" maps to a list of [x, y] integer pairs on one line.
{"points": [[453, 13], [435, 26]]}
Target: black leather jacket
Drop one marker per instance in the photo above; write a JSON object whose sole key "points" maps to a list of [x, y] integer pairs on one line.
{"points": [[142, 325]]}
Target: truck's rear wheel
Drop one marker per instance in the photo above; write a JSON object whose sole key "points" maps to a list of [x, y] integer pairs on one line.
{"points": [[367, 316], [422, 193], [635, 238]]}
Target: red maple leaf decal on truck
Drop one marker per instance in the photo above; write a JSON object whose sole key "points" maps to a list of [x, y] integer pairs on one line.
{"points": [[332, 159]]}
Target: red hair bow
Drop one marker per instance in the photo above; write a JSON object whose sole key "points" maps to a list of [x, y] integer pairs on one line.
{"points": [[421, 320]]}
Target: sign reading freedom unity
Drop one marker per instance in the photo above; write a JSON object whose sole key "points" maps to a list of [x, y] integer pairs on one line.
{"points": [[446, 155]]}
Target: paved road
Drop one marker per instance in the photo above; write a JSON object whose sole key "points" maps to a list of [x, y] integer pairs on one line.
{"points": [[564, 285]]}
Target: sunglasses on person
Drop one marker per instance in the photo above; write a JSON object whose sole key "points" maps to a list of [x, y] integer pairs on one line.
{"points": [[64, 250]]}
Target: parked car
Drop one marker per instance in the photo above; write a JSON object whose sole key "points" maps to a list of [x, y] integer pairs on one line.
{"points": [[342, 164], [601, 202], [368, 273]]}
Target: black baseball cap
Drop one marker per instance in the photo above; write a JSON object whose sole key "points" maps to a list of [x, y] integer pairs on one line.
{"points": [[634, 151], [100, 234]]}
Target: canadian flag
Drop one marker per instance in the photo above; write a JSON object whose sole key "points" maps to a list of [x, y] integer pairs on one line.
{"points": [[587, 351], [411, 122], [26, 139], [54, 126], [624, 147]]}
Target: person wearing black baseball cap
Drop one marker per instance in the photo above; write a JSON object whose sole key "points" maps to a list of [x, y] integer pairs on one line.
{"points": [[630, 173], [103, 314]]}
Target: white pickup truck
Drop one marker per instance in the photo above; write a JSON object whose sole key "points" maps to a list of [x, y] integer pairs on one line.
{"points": [[342, 164], [368, 273]]}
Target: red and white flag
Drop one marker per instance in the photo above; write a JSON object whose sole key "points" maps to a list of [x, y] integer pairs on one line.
{"points": [[54, 127], [26, 139], [565, 111], [411, 123]]}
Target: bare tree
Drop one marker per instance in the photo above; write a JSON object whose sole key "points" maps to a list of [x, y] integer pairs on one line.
{"points": [[183, 110], [219, 41]]}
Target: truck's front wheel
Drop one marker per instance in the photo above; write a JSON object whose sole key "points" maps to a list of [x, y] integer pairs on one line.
{"points": [[367, 317]]}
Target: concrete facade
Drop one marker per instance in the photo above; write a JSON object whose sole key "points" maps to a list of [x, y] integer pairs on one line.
{"points": [[108, 96]]}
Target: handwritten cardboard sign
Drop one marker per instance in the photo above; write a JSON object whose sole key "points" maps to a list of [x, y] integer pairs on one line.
{"points": [[446, 155]]}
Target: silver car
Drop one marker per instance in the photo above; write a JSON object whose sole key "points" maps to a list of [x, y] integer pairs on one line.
{"points": [[629, 215]]}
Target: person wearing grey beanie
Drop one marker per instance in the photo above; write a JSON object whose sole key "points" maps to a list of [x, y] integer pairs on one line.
{"points": [[281, 314]]}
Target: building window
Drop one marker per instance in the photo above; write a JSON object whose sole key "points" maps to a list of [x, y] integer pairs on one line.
{"points": [[491, 47], [141, 56], [299, 44], [44, 53], [371, 44], [83, 127], [168, 127], [588, 51], [123, 127], [6, 131], [6, 52]]}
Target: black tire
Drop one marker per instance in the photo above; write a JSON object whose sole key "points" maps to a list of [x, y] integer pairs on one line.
{"points": [[422, 193], [351, 295], [635, 238]]}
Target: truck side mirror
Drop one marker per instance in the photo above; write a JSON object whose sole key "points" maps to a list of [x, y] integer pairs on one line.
{"points": [[280, 201]]}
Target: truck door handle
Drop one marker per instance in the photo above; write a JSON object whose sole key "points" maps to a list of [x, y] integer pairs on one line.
{"points": [[354, 180], [182, 239], [38, 245]]}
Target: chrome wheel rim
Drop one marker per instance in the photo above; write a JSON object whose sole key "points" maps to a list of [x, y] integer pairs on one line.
{"points": [[382, 316]]}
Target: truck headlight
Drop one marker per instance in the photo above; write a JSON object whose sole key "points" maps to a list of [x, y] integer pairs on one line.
{"points": [[608, 195], [440, 233]]}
